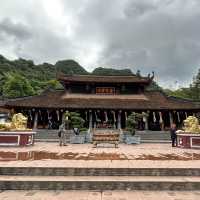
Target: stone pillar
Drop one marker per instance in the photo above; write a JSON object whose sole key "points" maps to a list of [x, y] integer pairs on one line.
{"points": [[106, 116], [35, 120], [90, 119], [63, 117], [58, 115], [178, 116], [186, 115], [161, 122], [119, 119], [114, 119], [146, 124], [154, 117], [126, 117], [170, 118]]}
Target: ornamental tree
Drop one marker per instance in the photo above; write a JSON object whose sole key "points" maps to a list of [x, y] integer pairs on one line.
{"points": [[133, 120], [74, 119]]}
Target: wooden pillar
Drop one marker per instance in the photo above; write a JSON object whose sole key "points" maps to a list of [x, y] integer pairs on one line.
{"points": [[119, 119], [35, 120], [90, 119]]}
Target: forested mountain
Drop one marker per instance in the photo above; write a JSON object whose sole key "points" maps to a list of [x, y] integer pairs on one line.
{"points": [[110, 71], [22, 77], [70, 67]]}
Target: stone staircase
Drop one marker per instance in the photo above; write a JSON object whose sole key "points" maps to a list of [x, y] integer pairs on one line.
{"points": [[45, 135], [146, 136], [101, 179], [154, 136]]}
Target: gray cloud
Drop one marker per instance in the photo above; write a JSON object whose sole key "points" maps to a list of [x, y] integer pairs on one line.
{"points": [[18, 30], [139, 8], [159, 35]]}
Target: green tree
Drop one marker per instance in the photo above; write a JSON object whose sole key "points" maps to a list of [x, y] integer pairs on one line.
{"points": [[16, 86], [192, 92], [185, 93], [154, 87], [195, 87]]}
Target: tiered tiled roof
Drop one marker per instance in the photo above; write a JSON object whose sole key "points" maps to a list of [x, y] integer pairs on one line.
{"points": [[104, 79], [60, 99]]}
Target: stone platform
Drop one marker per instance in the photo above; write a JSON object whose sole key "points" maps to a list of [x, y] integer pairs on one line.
{"points": [[150, 167]]}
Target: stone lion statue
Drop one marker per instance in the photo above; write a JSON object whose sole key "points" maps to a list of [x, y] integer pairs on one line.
{"points": [[18, 122], [191, 124]]}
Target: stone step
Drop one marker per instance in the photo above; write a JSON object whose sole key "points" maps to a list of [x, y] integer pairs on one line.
{"points": [[98, 195], [142, 141], [154, 136], [69, 171], [155, 141], [150, 183], [47, 140], [145, 135]]}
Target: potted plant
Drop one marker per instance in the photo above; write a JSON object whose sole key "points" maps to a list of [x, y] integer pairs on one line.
{"points": [[75, 122], [131, 123]]}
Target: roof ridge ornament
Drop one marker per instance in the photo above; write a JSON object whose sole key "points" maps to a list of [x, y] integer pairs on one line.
{"points": [[153, 74], [138, 73]]}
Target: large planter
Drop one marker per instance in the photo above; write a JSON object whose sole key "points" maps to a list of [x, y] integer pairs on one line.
{"points": [[121, 138], [17, 138], [129, 139], [188, 140], [77, 139], [88, 137]]}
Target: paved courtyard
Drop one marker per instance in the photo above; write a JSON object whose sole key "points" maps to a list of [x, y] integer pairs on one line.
{"points": [[106, 195], [84, 155]]}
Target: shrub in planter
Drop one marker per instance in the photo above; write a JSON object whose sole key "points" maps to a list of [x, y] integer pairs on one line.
{"points": [[74, 119], [132, 122], [83, 130], [76, 122]]}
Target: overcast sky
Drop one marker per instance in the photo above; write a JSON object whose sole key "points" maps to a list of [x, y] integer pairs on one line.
{"points": [[150, 35]]}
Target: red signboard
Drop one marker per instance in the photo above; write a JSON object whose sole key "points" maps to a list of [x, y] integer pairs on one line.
{"points": [[105, 90]]}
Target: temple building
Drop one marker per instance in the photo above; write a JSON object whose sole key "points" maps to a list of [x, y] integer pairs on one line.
{"points": [[104, 102]]}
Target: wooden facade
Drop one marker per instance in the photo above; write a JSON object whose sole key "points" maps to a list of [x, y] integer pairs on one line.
{"points": [[104, 101]]}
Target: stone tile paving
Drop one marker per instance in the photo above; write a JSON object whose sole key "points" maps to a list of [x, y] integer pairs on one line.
{"points": [[95, 195], [88, 148], [83, 155]]}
